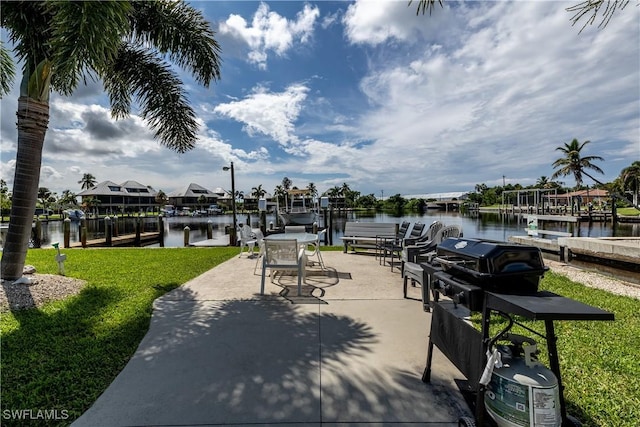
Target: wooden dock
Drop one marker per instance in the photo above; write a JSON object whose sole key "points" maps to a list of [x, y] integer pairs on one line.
{"points": [[146, 238]]}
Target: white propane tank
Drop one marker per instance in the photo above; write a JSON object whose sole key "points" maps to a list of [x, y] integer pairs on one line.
{"points": [[523, 392]]}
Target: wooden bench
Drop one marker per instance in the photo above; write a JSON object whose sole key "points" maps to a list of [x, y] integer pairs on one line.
{"points": [[364, 235]]}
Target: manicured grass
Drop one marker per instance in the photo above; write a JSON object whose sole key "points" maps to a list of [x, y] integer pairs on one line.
{"points": [[598, 359], [628, 211], [64, 355]]}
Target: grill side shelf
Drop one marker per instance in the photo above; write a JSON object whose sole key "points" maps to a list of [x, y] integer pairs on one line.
{"points": [[545, 306]]}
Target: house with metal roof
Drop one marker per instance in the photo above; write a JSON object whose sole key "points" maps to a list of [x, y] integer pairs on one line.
{"points": [[109, 197], [195, 196]]}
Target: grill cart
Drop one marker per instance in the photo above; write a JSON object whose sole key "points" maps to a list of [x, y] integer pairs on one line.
{"points": [[505, 382]]}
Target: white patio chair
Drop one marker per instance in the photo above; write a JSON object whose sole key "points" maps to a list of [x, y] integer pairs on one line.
{"points": [[315, 251], [260, 243], [283, 255], [247, 239]]}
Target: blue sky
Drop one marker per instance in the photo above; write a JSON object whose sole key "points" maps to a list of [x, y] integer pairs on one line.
{"points": [[369, 94]]}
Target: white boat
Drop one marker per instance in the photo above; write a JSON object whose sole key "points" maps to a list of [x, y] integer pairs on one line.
{"points": [[297, 213]]}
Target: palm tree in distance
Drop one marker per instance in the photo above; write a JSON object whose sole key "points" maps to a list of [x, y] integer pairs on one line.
{"points": [[258, 192], [313, 191], [630, 177], [87, 181], [573, 163], [125, 44]]}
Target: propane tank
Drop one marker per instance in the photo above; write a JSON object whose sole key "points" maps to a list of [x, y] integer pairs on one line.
{"points": [[523, 392]]}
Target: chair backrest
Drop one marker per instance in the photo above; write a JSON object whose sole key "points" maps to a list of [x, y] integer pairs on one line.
{"points": [[416, 231], [402, 230], [448, 231], [429, 235], [280, 252], [245, 232], [433, 230], [295, 229], [259, 236]]}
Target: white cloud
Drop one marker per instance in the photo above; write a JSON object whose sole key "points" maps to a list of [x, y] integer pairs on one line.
{"points": [[271, 32], [510, 92], [268, 113]]}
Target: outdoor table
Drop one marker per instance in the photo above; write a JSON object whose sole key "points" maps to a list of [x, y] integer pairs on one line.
{"points": [[302, 238]]}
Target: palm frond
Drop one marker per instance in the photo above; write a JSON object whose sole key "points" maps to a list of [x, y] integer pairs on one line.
{"points": [[181, 32], [590, 9], [28, 26], [86, 37], [159, 92], [7, 71], [423, 5]]}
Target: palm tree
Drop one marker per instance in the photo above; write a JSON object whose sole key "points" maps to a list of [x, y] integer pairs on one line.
{"points": [[161, 198], [573, 163], [125, 44], [87, 181], [630, 177], [313, 191], [91, 204], [542, 182], [279, 193], [333, 193], [258, 192], [68, 198], [202, 200]]}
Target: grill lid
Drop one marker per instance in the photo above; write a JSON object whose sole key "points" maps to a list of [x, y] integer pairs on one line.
{"points": [[498, 266]]}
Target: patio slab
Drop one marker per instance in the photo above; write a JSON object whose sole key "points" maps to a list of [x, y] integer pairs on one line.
{"points": [[349, 351]]}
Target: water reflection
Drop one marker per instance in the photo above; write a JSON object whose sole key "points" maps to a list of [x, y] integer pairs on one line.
{"points": [[491, 226]]}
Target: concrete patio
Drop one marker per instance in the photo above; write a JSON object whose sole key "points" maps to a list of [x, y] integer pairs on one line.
{"points": [[349, 351]]}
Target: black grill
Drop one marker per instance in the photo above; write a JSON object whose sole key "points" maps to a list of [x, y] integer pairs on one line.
{"points": [[471, 267]]}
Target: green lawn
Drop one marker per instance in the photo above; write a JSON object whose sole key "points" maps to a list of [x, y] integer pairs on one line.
{"points": [[598, 359], [64, 355]]}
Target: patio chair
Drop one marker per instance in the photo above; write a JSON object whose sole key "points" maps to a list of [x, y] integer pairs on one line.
{"points": [[316, 249], [283, 255], [260, 243], [394, 248], [413, 270], [400, 234], [409, 251], [247, 239]]}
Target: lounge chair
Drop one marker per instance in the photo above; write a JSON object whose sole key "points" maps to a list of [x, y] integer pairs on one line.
{"points": [[395, 248], [413, 270], [400, 234]]}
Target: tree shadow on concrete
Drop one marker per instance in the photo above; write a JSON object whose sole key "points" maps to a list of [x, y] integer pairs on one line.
{"points": [[261, 361]]}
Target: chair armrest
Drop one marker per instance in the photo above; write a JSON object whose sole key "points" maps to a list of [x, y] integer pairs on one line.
{"points": [[412, 252], [410, 241]]}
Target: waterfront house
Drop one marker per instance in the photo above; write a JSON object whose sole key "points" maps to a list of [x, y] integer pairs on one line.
{"points": [[108, 197]]}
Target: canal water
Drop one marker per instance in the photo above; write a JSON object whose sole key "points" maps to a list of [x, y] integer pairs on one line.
{"points": [[490, 226]]}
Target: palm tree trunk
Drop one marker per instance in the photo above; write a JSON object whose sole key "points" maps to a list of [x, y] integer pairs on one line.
{"points": [[33, 120]]}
